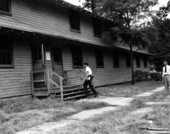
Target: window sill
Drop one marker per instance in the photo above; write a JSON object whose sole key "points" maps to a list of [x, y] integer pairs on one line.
{"points": [[128, 66], [116, 66], [6, 66], [100, 67], [74, 30], [6, 13], [77, 67]]}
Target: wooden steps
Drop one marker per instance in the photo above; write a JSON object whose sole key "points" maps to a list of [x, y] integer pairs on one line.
{"points": [[70, 92], [75, 97]]}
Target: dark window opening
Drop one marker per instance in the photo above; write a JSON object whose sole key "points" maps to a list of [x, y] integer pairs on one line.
{"points": [[145, 62], [57, 55], [37, 54], [143, 46], [97, 27], [74, 18], [99, 59], [137, 61], [128, 60], [115, 60], [77, 57], [6, 51], [5, 6]]}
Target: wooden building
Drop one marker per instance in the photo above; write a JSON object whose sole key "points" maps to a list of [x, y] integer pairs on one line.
{"points": [[44, 41]]}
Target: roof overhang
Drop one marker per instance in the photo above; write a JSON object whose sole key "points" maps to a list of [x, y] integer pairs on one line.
{"points": [[144, 52]]}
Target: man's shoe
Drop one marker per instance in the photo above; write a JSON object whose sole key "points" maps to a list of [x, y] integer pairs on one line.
{"points": [[96, 95]]}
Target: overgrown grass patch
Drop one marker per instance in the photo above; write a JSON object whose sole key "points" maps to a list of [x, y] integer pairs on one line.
{"points": [[109, 123], [127, 90], [20, 114], [138, 103], [20, 105], [160, 116]]}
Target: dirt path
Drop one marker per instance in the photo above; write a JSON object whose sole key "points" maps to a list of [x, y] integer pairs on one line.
{"points": [[114, 102]]}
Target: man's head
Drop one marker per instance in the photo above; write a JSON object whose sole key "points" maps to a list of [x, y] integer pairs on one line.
{"points": [[165, 62], [86, 64]]}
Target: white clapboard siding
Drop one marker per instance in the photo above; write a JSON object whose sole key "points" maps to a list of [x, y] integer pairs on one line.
{"points": [[16, 81]]}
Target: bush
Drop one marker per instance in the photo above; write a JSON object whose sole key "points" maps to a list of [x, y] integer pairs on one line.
{"points": [[141, 75]]}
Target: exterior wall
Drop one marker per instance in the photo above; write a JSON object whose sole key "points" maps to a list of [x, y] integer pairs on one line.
{"points": [[103, 76], [50, 20], [16, 81]]}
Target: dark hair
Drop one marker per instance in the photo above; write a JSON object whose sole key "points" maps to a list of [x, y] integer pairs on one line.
{"points": [[86, 64]]}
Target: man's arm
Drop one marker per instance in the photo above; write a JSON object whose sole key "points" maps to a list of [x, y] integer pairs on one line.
{"points": [[162, 72]]}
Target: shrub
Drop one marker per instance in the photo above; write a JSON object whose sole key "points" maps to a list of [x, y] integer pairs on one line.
{"points": [[141, 75]]}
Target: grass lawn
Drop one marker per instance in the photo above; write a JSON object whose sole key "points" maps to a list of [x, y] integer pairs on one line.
{"points": [[127, 90], [20, 114]]}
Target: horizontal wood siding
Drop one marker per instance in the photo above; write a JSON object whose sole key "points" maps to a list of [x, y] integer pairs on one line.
{"points": [[103, 76], [50, 20], [16, 81]]}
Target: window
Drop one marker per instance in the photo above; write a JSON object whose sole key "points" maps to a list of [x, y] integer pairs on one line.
{"points": [[143, 46], [77, 57], [145, 62], [4, 6], [97, 27], [74, 19], [115, 60], [99, 59], [128, 60], [37, 54], [137, 61], [6, 52]]}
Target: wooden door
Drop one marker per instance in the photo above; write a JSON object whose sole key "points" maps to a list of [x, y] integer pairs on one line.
{"points": [[57, 61], [38, 57]]}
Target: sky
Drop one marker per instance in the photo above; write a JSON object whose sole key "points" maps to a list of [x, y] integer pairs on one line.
{"points": [[78, 2]]}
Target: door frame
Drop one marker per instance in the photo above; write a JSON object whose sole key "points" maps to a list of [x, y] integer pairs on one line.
{"points": [[52, 58]]}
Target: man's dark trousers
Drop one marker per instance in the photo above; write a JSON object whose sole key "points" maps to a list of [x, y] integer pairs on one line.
{"points": [[89, 82]]}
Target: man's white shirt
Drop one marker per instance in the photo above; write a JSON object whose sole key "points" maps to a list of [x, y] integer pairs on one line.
{"points": [[88, 71], [167, 70]]}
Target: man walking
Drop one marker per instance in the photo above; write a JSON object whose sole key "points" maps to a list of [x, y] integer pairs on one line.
{"points": [[89, 79], [166, 75]]}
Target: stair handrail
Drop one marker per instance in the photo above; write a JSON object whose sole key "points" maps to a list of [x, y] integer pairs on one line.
{"points": [[50, 81]]}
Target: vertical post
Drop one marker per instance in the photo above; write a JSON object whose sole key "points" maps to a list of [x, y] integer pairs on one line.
{"points": [[43, 56], [92, 6], [132, 67], [47, 79], [61, 88], [32, 84]]}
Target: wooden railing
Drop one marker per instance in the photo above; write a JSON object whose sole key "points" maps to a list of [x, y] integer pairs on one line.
{"points": [[50, 81]]}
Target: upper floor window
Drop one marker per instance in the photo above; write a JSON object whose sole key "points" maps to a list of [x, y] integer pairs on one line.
{"points": [[6, 52], [137, 61], [99, 59], [115, 60], [77, 57], [74, 18], [5, 6], [97, 27], [128, 60]]}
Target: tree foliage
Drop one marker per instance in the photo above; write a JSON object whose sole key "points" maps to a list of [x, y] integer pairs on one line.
{"points": [[163, 11], [127, 16]]}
